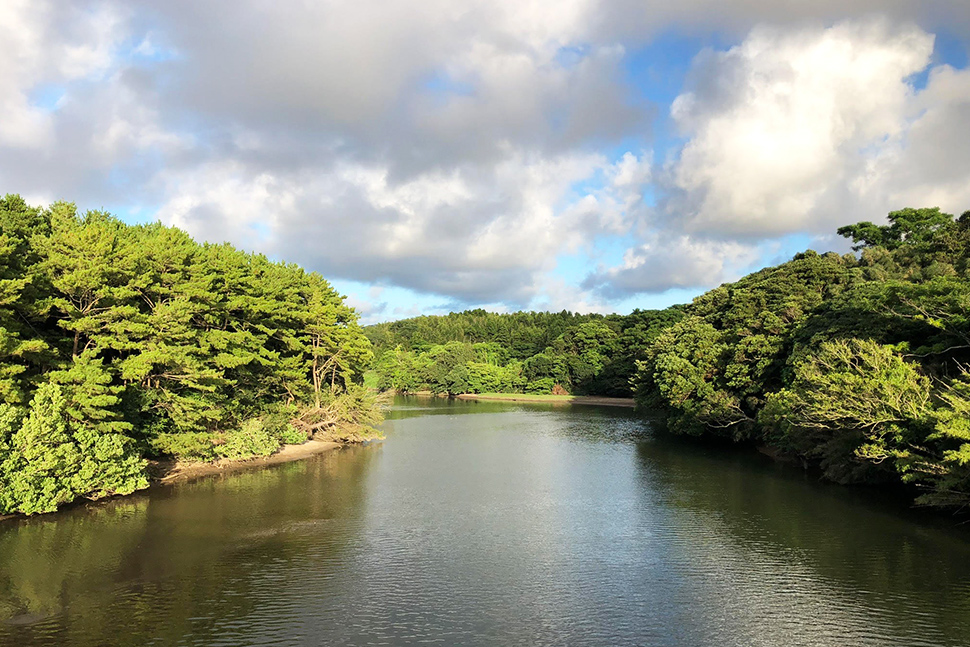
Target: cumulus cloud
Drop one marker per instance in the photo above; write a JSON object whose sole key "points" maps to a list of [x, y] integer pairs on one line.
{"points": [[783, 119], [665, 263], [798, 130], [460, 148], [929, 164], [477, 234]]}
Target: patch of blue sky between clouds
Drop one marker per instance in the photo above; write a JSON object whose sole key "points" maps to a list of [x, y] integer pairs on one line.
{"points": [[657, 73], [948, 49], [130, 214], [47, 96], [442, 86], [148, 50], [261, 230], [582, 188], [377, 303], [604, 251], [572, 55]]}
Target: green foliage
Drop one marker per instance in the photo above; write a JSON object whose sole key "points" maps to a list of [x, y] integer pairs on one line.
{"points": [[153, 342], [396, 370], [480, 352], [290, 435], [852, 404], [187, 445], [907, 226], [252, 439], [351, 414], [446, 371], [10, 421], [51, 459], [684, 370], [543, 386], [944, 470], [844, 361]]}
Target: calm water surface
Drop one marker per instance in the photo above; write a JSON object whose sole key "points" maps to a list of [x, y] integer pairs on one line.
{"points": [[492, 524]]}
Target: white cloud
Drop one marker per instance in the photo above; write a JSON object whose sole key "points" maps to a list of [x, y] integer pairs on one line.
{"points": [[481, 233], [45, 44], [455, 148], [781, 121], [663, 263], [930, 164]]}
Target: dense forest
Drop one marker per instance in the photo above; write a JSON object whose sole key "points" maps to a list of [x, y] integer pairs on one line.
{"points": [[120, 343], [523, 352], [854, 363]]}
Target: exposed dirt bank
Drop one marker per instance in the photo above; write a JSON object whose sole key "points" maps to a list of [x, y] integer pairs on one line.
{"points": [[551, 399], [165, 472], [170, 472]]}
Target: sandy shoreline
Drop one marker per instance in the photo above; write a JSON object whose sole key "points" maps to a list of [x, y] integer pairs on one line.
{"points": [[550, 399], [171, 472], [167, 472]]}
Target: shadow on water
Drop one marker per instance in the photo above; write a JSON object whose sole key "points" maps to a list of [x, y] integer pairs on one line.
{"points": [[818, 560], [413, 406], [158, 567], [530, 524]]}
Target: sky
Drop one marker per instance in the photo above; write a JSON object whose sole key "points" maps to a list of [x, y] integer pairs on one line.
{"points": [[433, 156]]}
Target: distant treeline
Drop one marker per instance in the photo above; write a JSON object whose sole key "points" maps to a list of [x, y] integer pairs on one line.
{"points": [[523, 352], [122, 342], [857, 363]]}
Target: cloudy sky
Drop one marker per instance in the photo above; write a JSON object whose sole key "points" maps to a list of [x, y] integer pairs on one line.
{"points": [[511, 154]]}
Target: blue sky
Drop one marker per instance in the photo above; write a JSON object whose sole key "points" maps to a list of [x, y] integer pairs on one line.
{"points": [[580, 155]]}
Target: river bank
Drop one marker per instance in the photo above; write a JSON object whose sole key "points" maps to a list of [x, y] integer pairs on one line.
{"points": [[167, 472], [592, 400], [172, 472]]}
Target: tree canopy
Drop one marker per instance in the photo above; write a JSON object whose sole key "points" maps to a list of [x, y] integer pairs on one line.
{"points": [[124, 342], [523, 352], [857, 363]]}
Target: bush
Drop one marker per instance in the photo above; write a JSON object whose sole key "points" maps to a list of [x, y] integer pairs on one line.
{"points": [[254, 438], [543, 385], [290, 435], [187, 445], [51, 459]]}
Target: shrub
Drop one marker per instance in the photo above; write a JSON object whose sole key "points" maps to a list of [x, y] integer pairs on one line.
{"points": [[252, 439], [51, 459], [543, 385], [187, 445], [290, 435]]}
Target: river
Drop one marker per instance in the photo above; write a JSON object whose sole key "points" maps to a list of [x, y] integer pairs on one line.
{"points": [[493, 524]]}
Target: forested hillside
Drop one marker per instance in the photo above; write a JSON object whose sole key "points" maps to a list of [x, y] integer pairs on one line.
{"points": [[857, 363], [523, 352], [122, 342]]}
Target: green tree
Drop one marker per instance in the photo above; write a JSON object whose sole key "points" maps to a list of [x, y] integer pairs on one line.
{"points": [[685, 372], [53, 460], [854, 404], [23, 351], [944, 471], [906, 226]]}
